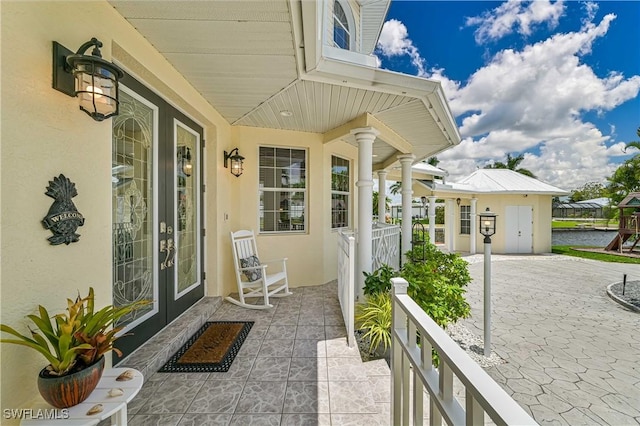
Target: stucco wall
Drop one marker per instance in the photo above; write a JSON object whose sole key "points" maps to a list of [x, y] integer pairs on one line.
{"points": [[541, 215], [45, 134], [310, 254]]}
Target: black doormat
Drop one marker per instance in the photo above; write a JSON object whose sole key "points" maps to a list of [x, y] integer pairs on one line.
{"points": [[211, 349]]}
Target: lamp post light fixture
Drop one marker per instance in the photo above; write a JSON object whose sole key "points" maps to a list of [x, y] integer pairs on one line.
{"points": [[487, 228], [423, 199], [93, 80], [236, 161]]}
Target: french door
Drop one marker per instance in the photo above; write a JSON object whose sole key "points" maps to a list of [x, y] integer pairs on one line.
{"points": [[156, 213]]}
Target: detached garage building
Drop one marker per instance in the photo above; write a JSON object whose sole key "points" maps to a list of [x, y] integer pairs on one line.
{"points": [[523, 205]]}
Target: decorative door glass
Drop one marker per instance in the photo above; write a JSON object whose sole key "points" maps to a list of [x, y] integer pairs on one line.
{"points": [[133, 200], [187, 178]]}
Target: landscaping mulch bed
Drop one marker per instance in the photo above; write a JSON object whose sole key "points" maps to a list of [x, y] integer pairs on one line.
{"points": [[629, 293]]}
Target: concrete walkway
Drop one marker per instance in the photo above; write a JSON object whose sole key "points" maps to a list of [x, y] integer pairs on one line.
{"points": [[572, 354]]}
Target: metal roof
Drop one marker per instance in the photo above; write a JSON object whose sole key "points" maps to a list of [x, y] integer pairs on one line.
{"points": [[508, 181], [499, 181], [578, 206]]}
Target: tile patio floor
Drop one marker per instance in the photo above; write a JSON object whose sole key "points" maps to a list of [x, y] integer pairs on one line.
{"points": [[572, 355], [294, 368]]}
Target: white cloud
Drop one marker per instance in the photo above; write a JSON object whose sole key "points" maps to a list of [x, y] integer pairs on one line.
{"points": [[533, 101], [394, 41], [515, 15]]}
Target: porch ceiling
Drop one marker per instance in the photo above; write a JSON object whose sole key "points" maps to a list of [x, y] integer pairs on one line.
{"points": [[237, 54], [242, 56]]}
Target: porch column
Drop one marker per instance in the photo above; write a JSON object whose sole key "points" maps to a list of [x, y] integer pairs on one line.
{"points": [[451, 224], [382, 195], [432, 219], [406, 161], [365, 138], [473, 229]]}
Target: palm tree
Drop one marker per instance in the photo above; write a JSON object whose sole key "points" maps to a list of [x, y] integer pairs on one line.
{"points": [[433, 161], [511, 164], [395, 188]]}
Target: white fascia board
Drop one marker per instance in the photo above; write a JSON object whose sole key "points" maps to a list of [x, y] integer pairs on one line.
{"points": [[329, 70], [350, 56], [311, 30]]}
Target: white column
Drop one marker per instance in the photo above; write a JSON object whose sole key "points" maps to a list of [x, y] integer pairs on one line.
{"points": [[365, 138], [474, 226], [451, 224], [432, 219], [382, 195], [406, 160]]}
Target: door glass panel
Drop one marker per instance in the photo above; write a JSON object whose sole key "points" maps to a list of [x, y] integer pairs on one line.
{"points": [[134, 277], [187, 208]]}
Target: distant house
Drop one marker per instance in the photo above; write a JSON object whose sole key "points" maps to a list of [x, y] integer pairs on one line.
{"points": [[523, 205], [593, 208]]}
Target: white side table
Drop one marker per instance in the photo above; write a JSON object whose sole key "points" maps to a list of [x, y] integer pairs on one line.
{"points": [[114, 407]]}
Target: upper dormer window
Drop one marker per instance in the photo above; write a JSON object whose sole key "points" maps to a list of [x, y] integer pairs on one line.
{"points": [[341, 30]]}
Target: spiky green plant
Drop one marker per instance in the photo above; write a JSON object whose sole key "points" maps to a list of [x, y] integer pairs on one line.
{"points": [[374, 316], [76, 333]]}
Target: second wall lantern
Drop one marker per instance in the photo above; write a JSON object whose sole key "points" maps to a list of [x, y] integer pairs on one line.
{"points": [[236, 162], [93, 80]]}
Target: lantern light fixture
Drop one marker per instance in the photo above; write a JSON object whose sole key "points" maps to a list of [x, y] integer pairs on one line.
{"points": [[184, 160], [487, 224], [93, 80], [236, 161]]}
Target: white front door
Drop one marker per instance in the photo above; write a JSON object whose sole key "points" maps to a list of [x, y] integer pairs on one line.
{"points": [[519, 229]]}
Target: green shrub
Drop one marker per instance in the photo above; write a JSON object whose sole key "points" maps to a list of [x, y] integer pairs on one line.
{"points": [[374, 316], [379, 281], [438, 284]]}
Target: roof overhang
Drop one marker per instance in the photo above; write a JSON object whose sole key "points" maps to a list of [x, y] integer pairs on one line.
{"points": [[269, 67]]}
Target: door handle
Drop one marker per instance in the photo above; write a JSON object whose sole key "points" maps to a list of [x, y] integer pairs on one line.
{"points": [[171, 247], [163, 249]]}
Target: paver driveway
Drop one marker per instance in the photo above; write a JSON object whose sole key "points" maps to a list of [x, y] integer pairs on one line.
{"points": [[573, 354]]}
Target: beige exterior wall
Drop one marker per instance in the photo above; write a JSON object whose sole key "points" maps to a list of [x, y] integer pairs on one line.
{"points": [[45, 134], [541, 213], [311, 255]]}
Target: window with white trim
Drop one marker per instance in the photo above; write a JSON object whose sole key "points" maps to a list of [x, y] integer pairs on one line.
{"points": [[340, 195], [465, 220], [341, 30], [283, 189]]}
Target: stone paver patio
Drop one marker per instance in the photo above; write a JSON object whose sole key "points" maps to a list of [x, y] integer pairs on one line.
{"points": [[573, 354]]}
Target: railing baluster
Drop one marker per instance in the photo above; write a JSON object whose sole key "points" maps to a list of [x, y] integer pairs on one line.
{"points": [[445, 376], [474, 411], [483, 394]]}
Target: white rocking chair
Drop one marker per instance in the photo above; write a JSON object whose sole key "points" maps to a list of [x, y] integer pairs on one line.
{"points": [[251, 273]]}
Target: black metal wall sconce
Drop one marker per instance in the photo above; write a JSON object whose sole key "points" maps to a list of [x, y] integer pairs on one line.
{"points": [[184, 160], [236, 162], [89, 77]]}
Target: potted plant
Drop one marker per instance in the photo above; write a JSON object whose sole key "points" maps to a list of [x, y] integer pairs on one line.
{"points": [[74, 344]]}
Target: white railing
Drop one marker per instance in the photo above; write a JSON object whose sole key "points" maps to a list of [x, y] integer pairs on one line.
{"points": [[412, 361], [385, 246], [346, 281]]}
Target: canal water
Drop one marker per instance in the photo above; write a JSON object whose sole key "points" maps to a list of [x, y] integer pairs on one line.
{"points": [[580, 237]]}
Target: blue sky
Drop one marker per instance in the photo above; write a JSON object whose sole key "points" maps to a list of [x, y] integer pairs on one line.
{"points": [[557, 81]]}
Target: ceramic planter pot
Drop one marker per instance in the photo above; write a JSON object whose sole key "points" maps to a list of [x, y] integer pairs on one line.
{"points": [[72, 389]]}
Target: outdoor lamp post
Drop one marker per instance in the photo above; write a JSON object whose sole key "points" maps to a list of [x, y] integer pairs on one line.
{"points": [[487, 228]]}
